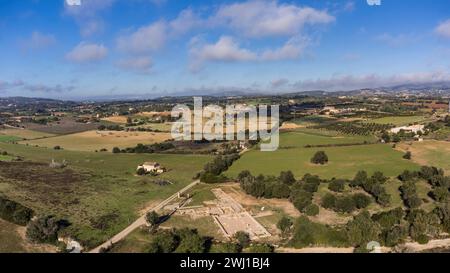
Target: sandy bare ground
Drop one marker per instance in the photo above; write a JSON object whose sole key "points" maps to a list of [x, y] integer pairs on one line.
{"points": [[96, 140], [249, 201], [416, 247], [116, 119], [310, 250], [291, 126]]}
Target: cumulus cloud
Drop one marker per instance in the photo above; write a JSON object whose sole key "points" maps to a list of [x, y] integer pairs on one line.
{"points": [[349, 82], [84, 53], [137, 64], [186, 20], [443, 29], [40, 40], [87, 15], [269, 18], [227, 49], [293, 49], [146, 39]]}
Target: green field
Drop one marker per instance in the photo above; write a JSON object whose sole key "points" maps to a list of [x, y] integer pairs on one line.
{"points": [[399, 120], [5, 138], [21, 134], [95, 186], [345, 162]]}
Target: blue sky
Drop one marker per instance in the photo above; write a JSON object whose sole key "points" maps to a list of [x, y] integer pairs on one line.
{"points": [[116, 47]]}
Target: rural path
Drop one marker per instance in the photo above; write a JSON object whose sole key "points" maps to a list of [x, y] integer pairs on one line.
{"points": [[141, 221]]}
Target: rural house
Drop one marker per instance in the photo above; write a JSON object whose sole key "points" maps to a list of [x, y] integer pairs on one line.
{"points": [[152, 167]]}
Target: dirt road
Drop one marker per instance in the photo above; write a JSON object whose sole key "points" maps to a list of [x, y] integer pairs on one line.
{"points": [[141, 221]]}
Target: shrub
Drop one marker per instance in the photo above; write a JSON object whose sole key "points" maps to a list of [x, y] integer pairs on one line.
{"points": [[328, 201], [337, 185], [361, 200], [407, 156], [284, 224], [345, 204], [14, 212], [242, 238], [287, 178], [43, 230], [261, 248], [312, 210], [320, 158]]}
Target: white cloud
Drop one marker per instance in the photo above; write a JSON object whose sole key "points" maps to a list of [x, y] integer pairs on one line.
{"points": [[227, 49], [85, 52], [396, 40], [443, 29], [137, 64], [40, 40], [185, 21], [87, 15], [269, 18], [293, 49], [146, 39], [349, 82]]}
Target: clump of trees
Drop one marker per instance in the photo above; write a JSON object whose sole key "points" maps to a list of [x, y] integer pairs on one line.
{"points": [[113, 127], [320, 158], [146, 149], [337, 185], [212, 172], [14, 212], [345, 203], [178, 241], [372, 185]]}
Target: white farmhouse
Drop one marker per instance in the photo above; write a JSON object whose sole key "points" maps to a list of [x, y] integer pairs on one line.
{"points": [[152, 167], [409, 129]]}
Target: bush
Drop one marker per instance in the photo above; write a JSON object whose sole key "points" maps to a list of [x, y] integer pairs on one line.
{"points": [[242, 238], [280, 190], [337, 185], [116, 150], [43, 230], [407, 156], [362, 230], [361, 200], [152, 218], [312, 210], [287, 178], [328, 201], [284, 224], [14, 212], [307, 233], [320, 158], [212, 178], [164, 242], [302, 200], [345, 204], [261, 248]]}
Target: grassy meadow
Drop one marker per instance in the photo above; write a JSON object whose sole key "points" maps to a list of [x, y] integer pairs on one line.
{"points": [[344, 162], [95, 186]]}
